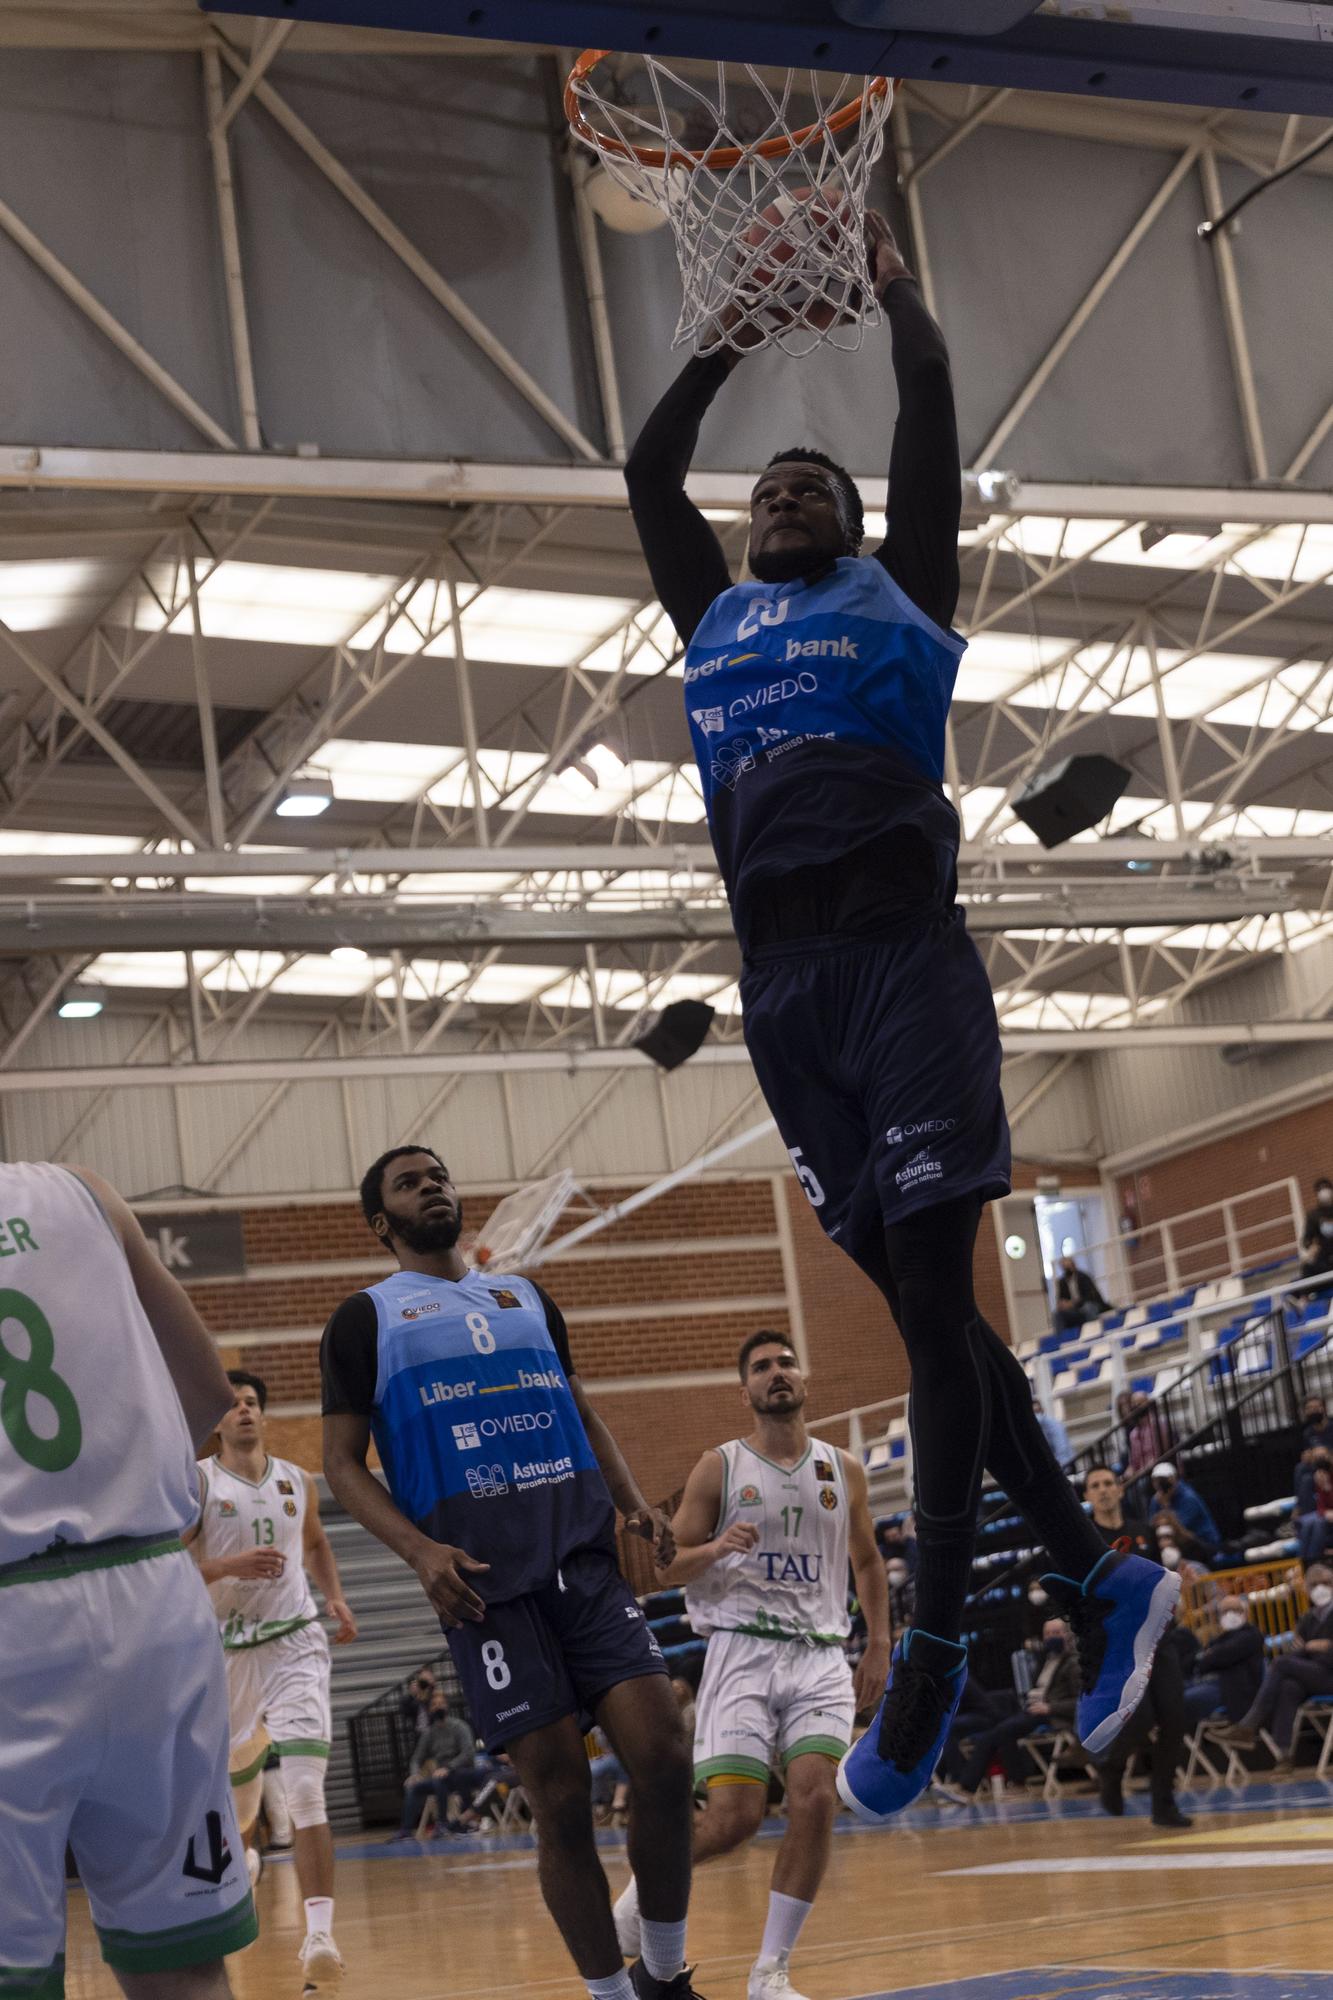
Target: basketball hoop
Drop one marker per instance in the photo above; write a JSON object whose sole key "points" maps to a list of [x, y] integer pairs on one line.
{"points": [[764, 184], [521, 1223]]}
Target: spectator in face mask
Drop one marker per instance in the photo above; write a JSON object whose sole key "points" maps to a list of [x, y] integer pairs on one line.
{"points": [[1038, 1611], [1178, 1550], [1316, 1430], [1229, 1671], [1171, 1494], [1306, 1669], [1317, 1235], [1313, 1519], [902, 1594]]}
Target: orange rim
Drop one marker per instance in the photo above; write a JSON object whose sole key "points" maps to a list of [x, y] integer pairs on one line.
{"points": [[720, 157]]}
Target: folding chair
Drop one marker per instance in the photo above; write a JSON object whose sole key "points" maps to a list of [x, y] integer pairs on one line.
{"points": [[1318, 1713], [1199, 1759], [1046, 1748]]}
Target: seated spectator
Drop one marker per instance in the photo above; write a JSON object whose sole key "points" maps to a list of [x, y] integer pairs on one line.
{"points": [[1228, 1673], [902, 1594], [1077, 1298], [1305, 1669], [1171, 1494], [898, 1539], [1054, 1432], [1178, 1550], [1316, 1429], [979, 1709], [610, 1784], [448, 1746], [1317, 1236], [1149, 1436], [414, 1703], [1313, 1516], [1050, 1704]]}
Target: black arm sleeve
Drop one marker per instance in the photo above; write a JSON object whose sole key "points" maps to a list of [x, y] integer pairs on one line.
{"points": [[684, 556], [920, 551], [555, 1326], [349, 1358]]}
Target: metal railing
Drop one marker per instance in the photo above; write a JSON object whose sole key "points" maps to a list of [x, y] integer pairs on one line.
{"points": [[1155, 1259]]}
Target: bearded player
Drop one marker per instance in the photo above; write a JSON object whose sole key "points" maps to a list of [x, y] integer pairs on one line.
{"points": [[817, 693], [257, 1535], [502, 1489], [765, 1531]]}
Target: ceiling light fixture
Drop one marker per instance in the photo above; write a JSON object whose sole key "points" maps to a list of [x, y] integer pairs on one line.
{"points": [[82, 1003], [307, 795]]}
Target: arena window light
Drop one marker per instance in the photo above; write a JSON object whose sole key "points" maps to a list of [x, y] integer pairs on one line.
{"points": [[270, 602], [35, 596], [536, 628]]}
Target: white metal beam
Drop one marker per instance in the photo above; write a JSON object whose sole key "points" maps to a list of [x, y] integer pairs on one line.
{"points": [[572, 1062]]}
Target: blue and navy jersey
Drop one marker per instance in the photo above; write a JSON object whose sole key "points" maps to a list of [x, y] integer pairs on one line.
{"points": [[474, 1421], [817, 711]]}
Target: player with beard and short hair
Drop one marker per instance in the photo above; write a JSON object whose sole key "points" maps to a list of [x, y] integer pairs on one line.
{"points": [[817, 692], [503, 1485], [765, 1531]]}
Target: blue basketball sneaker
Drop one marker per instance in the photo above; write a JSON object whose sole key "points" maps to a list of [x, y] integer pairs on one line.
{"points": [[1118, 1615], [895, 1760]]}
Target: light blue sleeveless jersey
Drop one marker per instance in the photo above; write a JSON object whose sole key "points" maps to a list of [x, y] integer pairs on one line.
{"points": [[477, 1429], [817, 712]]}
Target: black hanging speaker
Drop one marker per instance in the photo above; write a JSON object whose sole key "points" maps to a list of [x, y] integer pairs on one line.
{"points": [[1070, 797], [677, 1033]]}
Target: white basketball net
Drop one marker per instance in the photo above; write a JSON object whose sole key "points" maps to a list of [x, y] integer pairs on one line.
{"points": [[767, 214]]}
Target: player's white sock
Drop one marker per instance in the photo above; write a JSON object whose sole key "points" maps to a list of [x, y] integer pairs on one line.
{"points": [[662, 1947], [617, 1987], [786, 1915], [625, 1910], [318, 1914]]}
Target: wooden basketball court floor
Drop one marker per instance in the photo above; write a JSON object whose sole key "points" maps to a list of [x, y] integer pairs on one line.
{"points": [[1019, 1901]]}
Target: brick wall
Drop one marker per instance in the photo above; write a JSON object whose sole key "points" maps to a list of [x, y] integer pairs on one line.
{"points": [[674, 1318], [1298, 1142]]}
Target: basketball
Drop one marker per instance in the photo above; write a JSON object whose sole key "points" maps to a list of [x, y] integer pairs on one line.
{"points": [[784, 255]]}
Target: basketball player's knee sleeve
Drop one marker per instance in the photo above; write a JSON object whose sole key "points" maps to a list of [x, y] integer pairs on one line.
{"points": [[246, 1798], [303, 1781]]}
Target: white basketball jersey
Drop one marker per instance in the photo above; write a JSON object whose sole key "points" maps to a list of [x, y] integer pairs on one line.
{"points": [[793, 1583], [93, 1440], [240, 1514]]}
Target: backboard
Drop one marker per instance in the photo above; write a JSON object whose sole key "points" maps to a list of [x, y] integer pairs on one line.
{"points": [[1266, 55]]}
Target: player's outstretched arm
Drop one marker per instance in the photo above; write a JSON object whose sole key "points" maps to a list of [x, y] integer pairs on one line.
{"points": [[442, 1570], [187, 1346], [698, 1545], [871, 1583], [322, 1566], [920, 551], [685, 558]]}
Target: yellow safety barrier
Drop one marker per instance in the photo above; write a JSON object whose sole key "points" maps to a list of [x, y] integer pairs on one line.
{"points": [[1275, 1592]]}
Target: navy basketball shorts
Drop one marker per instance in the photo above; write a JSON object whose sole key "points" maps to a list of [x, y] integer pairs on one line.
{"points": [[880, 1061], [555, 1652]]}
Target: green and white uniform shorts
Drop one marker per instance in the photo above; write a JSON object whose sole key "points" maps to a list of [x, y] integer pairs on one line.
{"points": [[281, 1685], [114, 1741], [764, 1701]]}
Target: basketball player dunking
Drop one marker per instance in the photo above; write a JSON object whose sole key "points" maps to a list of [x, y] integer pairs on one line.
{"points": [[112, 1692], [503, 1484], [817, 696], [764, 1533], [257, 1535]]}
